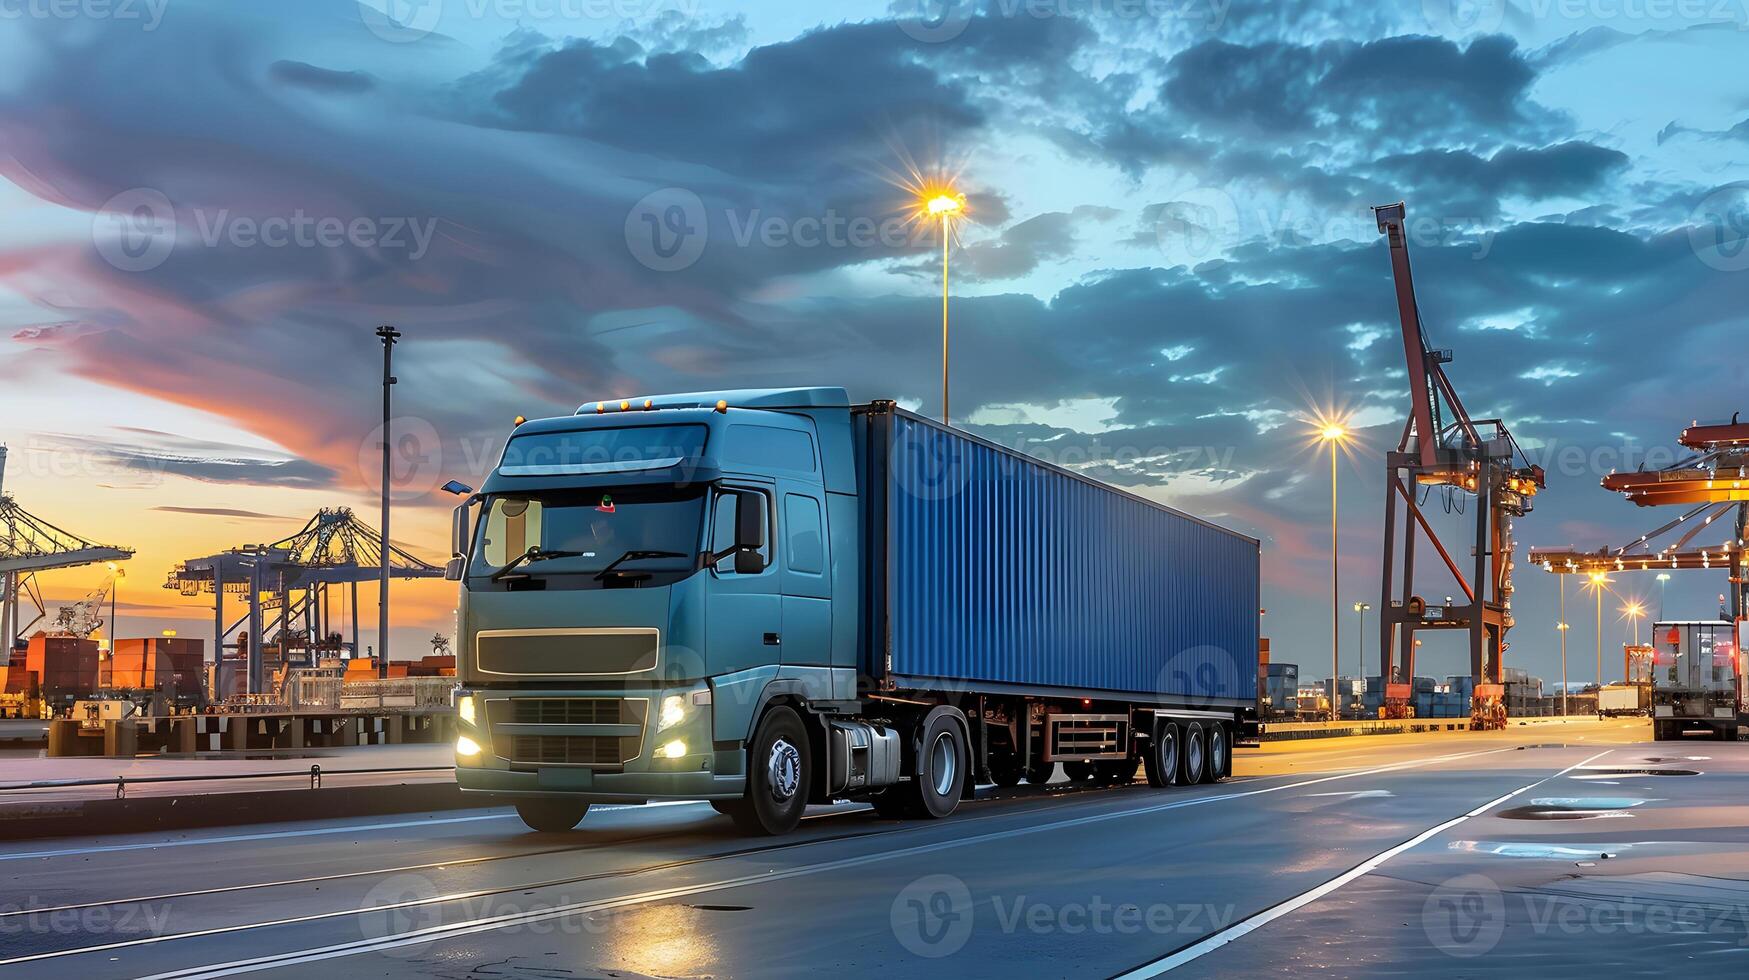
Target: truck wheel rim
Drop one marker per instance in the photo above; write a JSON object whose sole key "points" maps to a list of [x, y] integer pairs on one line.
{"points": [[1195, 755], [1218, 750], [784, 770], [943, 761]]}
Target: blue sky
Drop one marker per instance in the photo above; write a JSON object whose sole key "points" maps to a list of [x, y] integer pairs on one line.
{"points": [[1171, 259]]}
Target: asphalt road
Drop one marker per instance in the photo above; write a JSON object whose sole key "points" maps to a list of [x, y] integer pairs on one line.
{"points": [[1504, 854]]}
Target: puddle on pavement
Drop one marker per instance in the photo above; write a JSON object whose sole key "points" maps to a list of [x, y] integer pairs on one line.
{"points": [[1573, 808], [1547, 852], [1546, 745], [722, 908], [1629, 773]]}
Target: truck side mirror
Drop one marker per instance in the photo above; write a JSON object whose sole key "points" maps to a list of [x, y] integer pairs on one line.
{"points": [[458, 542], [749, 533]]}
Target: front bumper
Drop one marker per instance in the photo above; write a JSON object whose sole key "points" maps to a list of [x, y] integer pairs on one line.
{"points": [[529, 743]]}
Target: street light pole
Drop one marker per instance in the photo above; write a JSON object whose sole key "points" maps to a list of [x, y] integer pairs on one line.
{"points": [[1562, 627], [1663, 577], [1360, 639], [389, 335], [946, 205]]}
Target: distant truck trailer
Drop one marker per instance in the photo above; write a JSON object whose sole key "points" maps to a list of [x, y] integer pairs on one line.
{"points": [[767, 599], [1621, 700], [1694, 679]]}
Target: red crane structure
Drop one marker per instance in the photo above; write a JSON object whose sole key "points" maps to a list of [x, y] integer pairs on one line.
{"points": [[1444, 450]]}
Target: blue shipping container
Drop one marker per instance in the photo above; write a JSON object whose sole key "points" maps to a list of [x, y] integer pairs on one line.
{"points": [[1018, 575]]}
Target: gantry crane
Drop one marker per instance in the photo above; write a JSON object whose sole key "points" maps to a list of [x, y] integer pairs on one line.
{"points": [[28, 545], [1443, 450], [1714, 481]]}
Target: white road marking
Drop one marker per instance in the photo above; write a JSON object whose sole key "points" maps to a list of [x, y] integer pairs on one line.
{"points": [[313, 832], [1363, 794], [491, 923], [1261, 919]]}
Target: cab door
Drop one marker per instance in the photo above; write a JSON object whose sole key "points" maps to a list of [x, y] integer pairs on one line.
{"points": [[744, 614], [806, 582]]}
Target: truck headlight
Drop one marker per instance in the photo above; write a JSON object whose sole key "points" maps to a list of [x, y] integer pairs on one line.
{"points": [[464, 708], [673, 750], [673, 712], [466, 746]]}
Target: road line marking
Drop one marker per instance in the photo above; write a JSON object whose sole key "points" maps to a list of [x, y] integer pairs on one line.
{"points": [[489, 924], [1240, 929], [313, 832]]}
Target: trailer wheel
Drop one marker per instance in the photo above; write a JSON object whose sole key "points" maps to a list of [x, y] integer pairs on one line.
{"points": [[1161, 759], [1193, 764], [551, 816], [1220, 747], [777, 776]]}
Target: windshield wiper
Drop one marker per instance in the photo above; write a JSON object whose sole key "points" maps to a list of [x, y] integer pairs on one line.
{"points": [[635, 555], [533, 554]]}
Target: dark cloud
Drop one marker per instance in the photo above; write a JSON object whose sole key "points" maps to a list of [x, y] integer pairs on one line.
{"points": [[1458, 182], [320, 79], [220, 512]]}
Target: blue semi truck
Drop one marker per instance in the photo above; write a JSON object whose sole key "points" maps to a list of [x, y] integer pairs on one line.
{"points": [[771, 598]]}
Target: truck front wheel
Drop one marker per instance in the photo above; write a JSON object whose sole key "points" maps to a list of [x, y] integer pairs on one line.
{"points": [[551, 816], [777, 776]]}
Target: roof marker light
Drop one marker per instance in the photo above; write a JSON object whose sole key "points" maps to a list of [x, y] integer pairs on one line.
{"points": [[722, 406]]}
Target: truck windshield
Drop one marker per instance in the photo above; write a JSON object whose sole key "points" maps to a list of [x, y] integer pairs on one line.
{"points": [[586, 531]]}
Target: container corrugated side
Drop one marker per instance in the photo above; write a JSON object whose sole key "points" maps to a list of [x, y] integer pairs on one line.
{"points": [[1000, 568]]}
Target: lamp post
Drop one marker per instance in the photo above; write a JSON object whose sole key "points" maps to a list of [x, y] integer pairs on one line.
{"points": [[1334, 433], [1563, 626], [945, 205], [388, 335], [1663, 577], [1360, 638], [116, 574], [1598, 584]]}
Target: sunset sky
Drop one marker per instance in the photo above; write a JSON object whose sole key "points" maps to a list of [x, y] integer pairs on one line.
{"points": [[1171, 261]]}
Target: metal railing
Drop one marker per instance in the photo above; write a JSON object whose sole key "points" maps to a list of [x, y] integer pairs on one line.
{"points": [[314, 774]]}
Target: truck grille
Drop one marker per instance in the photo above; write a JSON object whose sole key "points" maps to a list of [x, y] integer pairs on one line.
{"points": [[565, 711], [586, 750]]}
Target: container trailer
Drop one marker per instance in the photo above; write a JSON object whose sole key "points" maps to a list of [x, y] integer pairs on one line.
{"points": [[772, 598], [1694, 679], [1616, 700]]}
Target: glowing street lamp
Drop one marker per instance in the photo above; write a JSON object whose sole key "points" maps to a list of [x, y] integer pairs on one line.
{"points": [[1634, 611], [946, 205], [1334, 434], [1663, 577], [1599, 583]]}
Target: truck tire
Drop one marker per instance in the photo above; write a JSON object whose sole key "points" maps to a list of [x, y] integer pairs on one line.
{"points": [[1193, 759], [551, 815], [1161, 759], [938, 780], [1220, 751], [777, 776], [1658, 733]]}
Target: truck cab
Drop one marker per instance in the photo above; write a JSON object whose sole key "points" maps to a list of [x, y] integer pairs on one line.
{"points": [[637, 581], [1695, 667]]}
